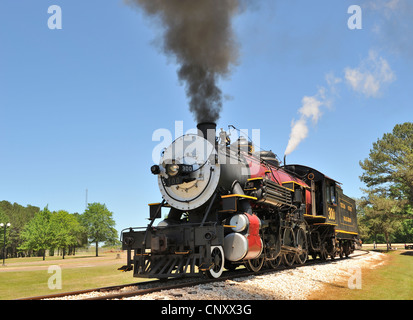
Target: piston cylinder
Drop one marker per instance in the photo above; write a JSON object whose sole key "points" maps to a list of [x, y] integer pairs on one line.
{"points": [[245, 242]]}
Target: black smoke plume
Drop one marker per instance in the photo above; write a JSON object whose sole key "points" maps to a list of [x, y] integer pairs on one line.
{"points": [[199, 34]]}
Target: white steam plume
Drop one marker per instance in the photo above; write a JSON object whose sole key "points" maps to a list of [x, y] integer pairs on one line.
{"points": [[311, 109], [299, 131]]}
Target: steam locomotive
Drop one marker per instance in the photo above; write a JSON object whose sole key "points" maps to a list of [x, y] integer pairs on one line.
{"points": [[230, 205]]}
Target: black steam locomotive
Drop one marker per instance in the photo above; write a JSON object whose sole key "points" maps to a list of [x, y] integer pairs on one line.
{"points": [[229, 205]]}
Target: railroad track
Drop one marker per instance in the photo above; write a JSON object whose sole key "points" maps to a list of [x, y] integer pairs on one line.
{"points": [[142, 288]]}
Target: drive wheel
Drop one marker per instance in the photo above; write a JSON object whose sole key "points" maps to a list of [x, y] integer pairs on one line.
{"points": [[289, 241], [218, 261], [274, 264], [274, 253], [255, 265], [288, 259], [303, 246]]}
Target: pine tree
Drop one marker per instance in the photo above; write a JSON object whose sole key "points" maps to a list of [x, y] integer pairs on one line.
{"points": [[388, 175], [389, 167]]}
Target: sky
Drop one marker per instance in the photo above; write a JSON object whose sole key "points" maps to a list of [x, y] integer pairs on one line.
{"points": [[79, 105]]}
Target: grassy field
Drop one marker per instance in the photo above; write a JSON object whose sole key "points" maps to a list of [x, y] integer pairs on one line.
{"points": [[393, 281], [27, 277]]}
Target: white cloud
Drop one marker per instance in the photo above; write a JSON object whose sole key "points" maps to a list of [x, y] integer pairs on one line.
{"points": [[392, 4], [371, 76], [384, 4], [332, 81], [392, 25]]}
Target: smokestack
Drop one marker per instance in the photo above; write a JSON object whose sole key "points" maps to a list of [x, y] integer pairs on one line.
{"points": [[207, 130]]}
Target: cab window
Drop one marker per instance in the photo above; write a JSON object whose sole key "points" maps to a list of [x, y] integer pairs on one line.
{"points": [[331, 193]]}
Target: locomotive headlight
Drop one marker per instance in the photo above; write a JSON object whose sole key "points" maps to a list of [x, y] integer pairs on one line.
{"points": [[172, 169]]}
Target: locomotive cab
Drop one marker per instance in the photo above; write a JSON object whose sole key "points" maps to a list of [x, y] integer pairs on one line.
{"points": [[333, 219]]}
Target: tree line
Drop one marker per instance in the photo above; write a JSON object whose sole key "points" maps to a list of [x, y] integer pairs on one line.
{"points": [[386, 210], [33, 232]]}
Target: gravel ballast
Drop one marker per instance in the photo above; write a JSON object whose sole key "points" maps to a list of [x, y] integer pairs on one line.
{"points": [[290, 284]]}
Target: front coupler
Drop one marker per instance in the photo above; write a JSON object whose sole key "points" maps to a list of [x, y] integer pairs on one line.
{"points": [[171, 251]]}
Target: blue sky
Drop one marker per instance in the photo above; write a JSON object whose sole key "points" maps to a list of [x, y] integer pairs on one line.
{"points": [[78, 106]]}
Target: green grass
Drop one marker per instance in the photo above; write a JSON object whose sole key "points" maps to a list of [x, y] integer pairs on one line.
{"points": [[94, 272], [393, 281], [33, 283]]}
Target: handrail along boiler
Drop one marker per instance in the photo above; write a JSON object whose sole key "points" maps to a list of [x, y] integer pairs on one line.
{"points": [[229, 205]]}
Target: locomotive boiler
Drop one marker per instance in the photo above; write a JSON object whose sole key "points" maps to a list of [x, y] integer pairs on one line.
{"points": [[230, 205]]}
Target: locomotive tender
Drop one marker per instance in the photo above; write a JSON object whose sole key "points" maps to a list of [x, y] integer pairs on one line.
{"points": [[229, 205]]}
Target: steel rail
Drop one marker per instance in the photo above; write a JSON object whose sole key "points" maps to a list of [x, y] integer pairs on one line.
{"points": [[78, 292]]}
